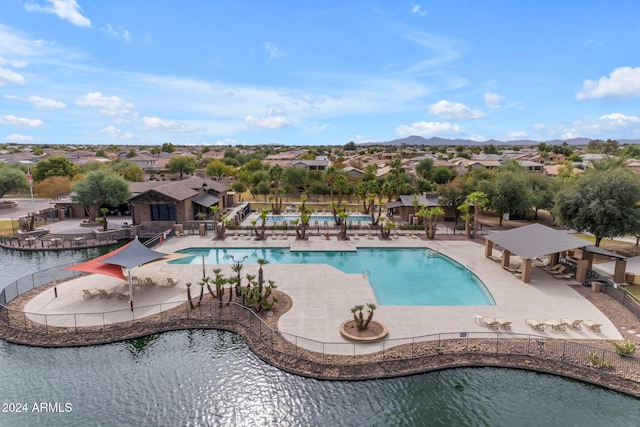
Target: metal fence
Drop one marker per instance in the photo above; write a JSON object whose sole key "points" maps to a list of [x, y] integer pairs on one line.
{"points": [[625, 298], [113, 325]]}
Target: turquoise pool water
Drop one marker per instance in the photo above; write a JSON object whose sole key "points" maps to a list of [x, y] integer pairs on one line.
{"points": [[353, 218], [399, 277]]}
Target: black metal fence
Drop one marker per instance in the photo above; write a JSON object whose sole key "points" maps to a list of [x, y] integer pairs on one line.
{"points": [[178, 314]]}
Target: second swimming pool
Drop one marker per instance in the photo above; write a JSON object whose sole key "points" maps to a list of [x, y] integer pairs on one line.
{"points": [[399, 277]]}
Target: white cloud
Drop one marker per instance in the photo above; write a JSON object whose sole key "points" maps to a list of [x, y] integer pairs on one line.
{"points": [[120, 32], [16, 137], [45, 103], [602, 126], [274, 52], [8, 76], [428, 129], [623, 82], [20, 121], [227, 141], [493, 100], [538, 126], [68, 10], [418, 10], [454, 111], [107, 105], [517, 135], [116, 133], [155, 123], [267, 122]]}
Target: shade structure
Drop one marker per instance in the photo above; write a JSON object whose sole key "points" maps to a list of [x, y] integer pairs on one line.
{"points": [[98, 266], [132, 255], [128, 256]]}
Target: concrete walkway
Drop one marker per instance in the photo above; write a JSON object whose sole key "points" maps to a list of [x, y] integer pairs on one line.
{"points": [[323, 296]]}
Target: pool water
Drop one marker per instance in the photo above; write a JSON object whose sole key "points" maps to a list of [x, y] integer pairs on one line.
{"points": [[398, 277], [279, 219]]}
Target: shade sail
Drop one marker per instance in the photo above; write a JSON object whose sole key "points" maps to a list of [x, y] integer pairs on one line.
{"points": [[97, 266], [132, 255]]}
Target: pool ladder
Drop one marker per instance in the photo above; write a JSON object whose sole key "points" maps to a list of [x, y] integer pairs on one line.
{"points": [[366, 273]]}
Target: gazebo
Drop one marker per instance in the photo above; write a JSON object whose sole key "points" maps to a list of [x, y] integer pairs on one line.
{"points": [[537, 240]]}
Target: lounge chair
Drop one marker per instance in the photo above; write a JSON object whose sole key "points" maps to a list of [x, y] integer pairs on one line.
{"points": [[595, 327], [105, 294], [566, 276], [503, 323], [490, 322], [558, 326], [413, 234], [573, 324], [89, 294], [235, 235], [496, 258], [171, 282], [122, 295], [553, 269], [538, 326], [356, 235], [148, 281], [369, 236]]}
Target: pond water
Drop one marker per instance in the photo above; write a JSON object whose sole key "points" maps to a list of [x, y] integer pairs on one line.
{"points": [[211, 378]]}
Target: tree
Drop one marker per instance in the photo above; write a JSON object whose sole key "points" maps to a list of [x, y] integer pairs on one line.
{"points": [[131, 153], [430, 218], [276, 174], [54, 166], [510, 193], [601, 202], [479, 200], [441, 174], [100, 188], [218, 169], [53, 187], [424, 168], [168, 147], [182, 165], [128, 170], [12, 179]]}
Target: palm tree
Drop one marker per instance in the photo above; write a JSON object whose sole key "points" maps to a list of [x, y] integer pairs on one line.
{"points": [[276, 174], [262, 262], [189, 295], [430, 217], [479, 200]]}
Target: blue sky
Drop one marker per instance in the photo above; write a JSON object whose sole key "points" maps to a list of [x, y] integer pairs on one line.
{"points": [[322, 72]]}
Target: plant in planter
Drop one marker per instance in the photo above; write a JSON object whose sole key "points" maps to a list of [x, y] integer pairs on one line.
{"points": [[598, 362], [627, 348], [358, 318]]}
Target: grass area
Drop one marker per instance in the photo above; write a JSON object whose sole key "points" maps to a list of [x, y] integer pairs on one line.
{"points": [[6, 229], [634, 289]]}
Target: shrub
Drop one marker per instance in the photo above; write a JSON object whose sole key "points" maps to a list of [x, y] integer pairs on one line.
{"points": [[627, 348]]}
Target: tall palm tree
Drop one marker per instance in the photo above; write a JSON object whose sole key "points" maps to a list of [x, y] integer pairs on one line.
{"points": [[262, 262], [479, 200]]}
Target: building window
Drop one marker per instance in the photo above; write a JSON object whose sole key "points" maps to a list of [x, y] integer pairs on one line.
{"points": [[163, 212]]}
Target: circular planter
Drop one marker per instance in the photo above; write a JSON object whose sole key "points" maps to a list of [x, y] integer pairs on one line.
{"points": [[375, 331]]}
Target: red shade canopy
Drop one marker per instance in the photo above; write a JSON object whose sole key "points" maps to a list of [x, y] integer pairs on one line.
{"points": [[97, 265]]}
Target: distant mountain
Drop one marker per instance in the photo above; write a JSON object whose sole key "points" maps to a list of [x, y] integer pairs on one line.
{"points": [[435, 141]]}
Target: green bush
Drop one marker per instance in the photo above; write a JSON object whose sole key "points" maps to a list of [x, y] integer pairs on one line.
{"points": [[627, 348]]}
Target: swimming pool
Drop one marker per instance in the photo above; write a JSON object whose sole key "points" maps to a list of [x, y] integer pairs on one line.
{"points": [[398, 277], [353, 218]]}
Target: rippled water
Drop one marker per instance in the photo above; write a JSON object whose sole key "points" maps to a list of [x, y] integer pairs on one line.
{"points": [[212, 378]]}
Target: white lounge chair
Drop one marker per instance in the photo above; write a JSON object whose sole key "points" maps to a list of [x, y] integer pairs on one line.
{"points": [[490, 322], [558, 326], [595, 327], [572, 323], [538, 326], [89, 294], [503, 323]]}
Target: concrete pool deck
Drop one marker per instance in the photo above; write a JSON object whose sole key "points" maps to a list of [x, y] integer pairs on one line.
{"points": [[323, 296]]}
